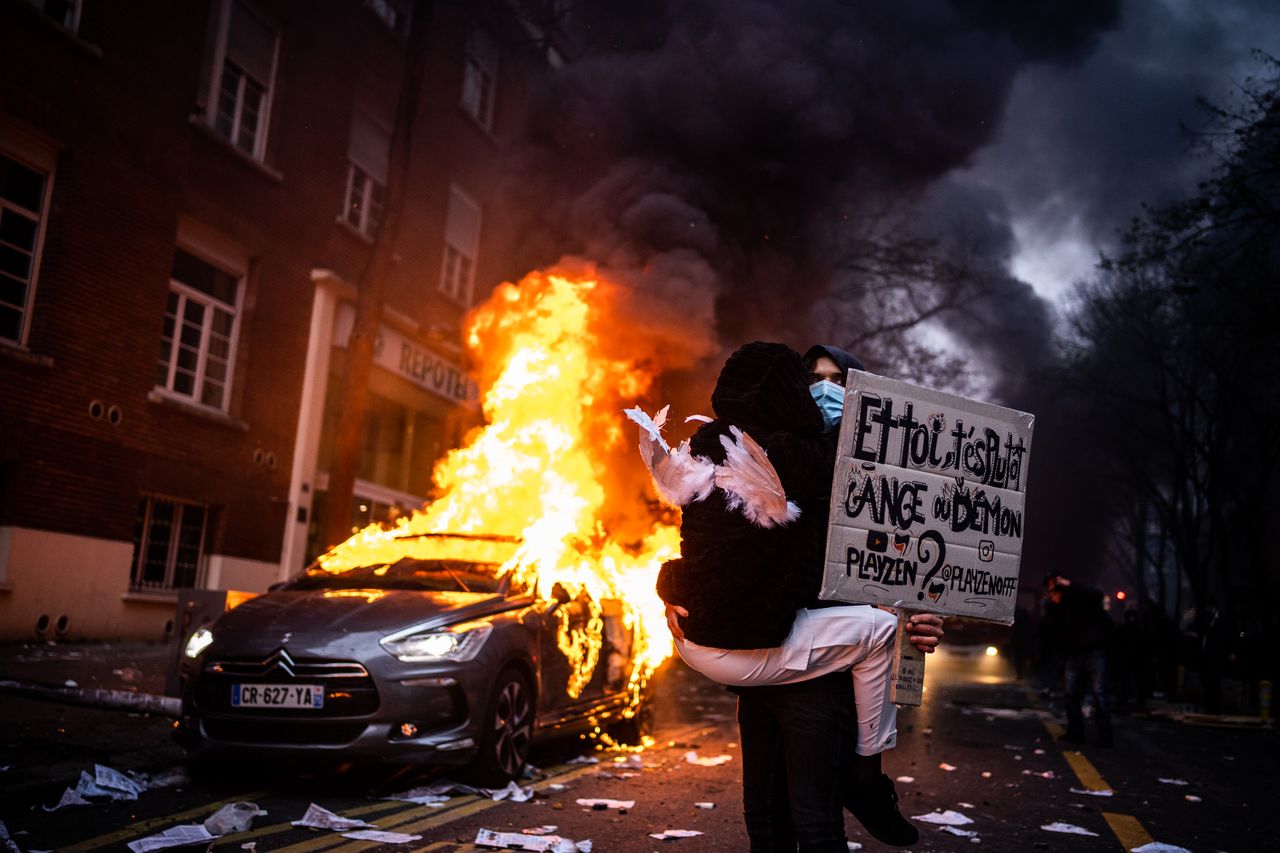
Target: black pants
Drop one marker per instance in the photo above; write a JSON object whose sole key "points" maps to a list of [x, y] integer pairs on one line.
{"points": [[797, 754]]}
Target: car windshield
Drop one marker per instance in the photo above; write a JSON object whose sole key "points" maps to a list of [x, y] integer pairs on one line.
{"points": [[407, 573]]}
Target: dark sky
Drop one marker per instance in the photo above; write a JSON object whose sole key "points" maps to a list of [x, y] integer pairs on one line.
{"points": [[717, 156]]}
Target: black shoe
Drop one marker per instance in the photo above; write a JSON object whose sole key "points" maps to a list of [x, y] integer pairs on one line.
{"points": [[875, 805]]}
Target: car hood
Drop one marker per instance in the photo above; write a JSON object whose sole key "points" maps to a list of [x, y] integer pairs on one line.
{"points": [[338, 612]]}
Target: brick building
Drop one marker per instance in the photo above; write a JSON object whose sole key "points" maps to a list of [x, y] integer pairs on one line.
{"points": [[187, 194]]}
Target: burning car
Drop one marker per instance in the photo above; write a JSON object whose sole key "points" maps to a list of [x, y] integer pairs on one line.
{"points": [[432, 650]]}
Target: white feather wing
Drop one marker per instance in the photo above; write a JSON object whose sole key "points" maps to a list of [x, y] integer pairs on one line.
{"points": [[752, 483], [680, 477]]}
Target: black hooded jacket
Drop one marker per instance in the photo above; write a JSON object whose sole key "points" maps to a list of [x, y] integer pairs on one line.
{"points": [[742, 584], [844, 360]]}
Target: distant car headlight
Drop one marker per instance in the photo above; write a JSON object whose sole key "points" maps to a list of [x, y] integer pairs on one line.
{"points": [[199, 641], [460, 642], [992, 651]]}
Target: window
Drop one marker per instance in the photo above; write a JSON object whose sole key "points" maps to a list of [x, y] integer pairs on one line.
{"points": [[168, 544], [243, 67], [368, 153], [461, 243], [198, 343], [480, 77], [64, 12], [392, 13], [24, 191]]}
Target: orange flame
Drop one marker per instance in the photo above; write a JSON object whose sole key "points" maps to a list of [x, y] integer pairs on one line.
{"points": [[538, 469]]}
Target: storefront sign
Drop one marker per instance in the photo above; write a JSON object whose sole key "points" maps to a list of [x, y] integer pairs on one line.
{"points": [[927, 506], [396, 353]]}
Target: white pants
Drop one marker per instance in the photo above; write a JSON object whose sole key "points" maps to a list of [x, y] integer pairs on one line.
{"points": [[821, 641]]}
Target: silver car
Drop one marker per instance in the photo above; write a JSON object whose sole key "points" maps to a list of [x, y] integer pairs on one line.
{"points": [[433, 661]]}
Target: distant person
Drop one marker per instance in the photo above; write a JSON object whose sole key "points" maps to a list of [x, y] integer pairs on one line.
{"points": [[1077, 629]]}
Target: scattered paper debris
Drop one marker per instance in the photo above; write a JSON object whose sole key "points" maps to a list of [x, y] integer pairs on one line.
{"points": [[704, 805], [947, 818], [1192, 798], [966, 805], [601, 804], [853, 845], [1018, 757], [512, 792], [1067, 828], [583, 759], [70, 797], [1158, 847], [630, 762], [234, 817], [434, 795], [906, 780], [986, 774], [537, 843], [319, 817], [1173, 781], [1014, 748], [545, 829], [963, 833], [6, 841], [381, 836], [927, 730], [174, 836], [692, 758], [1102, 792], [557, 787], [674, 833], [71, 682], [947, 767], [1048, 774], [1038, 752]]}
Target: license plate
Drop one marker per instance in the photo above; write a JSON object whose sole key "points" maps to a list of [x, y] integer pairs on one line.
{"points": [[277, 696]]}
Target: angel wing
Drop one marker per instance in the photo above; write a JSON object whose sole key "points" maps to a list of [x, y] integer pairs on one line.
{"points": [[752, 483], [680, 477]]}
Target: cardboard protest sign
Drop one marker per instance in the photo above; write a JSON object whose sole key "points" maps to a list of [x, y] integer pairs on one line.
{"points": [[927, 507]]}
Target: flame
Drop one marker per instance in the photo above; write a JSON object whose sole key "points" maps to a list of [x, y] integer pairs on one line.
{"points": [[537, 471]]}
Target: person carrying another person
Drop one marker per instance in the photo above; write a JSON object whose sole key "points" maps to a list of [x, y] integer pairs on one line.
{"points": [[754, 485]]}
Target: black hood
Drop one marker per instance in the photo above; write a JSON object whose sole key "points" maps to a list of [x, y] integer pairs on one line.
{"points": [[765, 387], [844, 360]]}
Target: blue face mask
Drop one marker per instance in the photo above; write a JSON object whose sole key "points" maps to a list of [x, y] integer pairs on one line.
{"points": [[830, 399]]}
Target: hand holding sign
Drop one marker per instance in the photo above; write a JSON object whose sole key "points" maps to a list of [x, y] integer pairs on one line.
{"points": [[927, 505]]}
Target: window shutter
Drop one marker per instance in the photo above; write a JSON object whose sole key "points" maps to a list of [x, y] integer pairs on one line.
{"points": [[462, 229], [370, 146], [251, 44]]}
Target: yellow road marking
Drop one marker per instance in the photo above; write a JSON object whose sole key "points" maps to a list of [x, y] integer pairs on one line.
{"points": [[1088, 775], [1128, 830], [360, 811], [438, 815], [147, 825]]}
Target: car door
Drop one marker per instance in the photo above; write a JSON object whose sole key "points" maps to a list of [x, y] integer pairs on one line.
{"points": [[573, 651]]}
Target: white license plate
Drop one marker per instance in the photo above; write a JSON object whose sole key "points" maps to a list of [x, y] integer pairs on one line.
{"points": [[277, 696]]}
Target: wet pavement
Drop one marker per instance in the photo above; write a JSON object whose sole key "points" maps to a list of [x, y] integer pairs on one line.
{"points": [[982, 746]]}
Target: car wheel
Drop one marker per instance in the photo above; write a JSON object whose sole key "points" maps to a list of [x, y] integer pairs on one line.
{"points": [[508, 730]]}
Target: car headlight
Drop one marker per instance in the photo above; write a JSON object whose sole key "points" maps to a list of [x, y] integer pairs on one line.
{"points": [[460, 642], [199, 641]]}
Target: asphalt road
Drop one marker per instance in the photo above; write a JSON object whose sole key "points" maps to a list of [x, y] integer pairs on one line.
{"points": [[1009, 776]]}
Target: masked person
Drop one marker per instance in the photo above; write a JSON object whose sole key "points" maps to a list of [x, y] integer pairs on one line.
{"points": [[743, 605]]}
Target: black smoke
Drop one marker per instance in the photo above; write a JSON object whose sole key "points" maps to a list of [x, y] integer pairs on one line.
{"points": [[707, 152]]}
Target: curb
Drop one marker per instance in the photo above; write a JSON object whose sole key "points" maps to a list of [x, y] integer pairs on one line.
{"points": [[110, 700]]}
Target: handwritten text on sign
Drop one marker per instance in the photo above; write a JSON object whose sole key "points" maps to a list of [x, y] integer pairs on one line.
{"points": [[927, 508]]}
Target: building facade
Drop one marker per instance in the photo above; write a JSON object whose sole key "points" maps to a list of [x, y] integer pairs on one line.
{"points": [[188, 194]]}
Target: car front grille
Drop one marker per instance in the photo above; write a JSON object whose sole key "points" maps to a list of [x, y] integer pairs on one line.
{"points": [[349, 689], [274, 731]]}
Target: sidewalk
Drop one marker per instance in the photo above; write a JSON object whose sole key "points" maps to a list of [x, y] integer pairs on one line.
{"points": [[126, 676]]}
